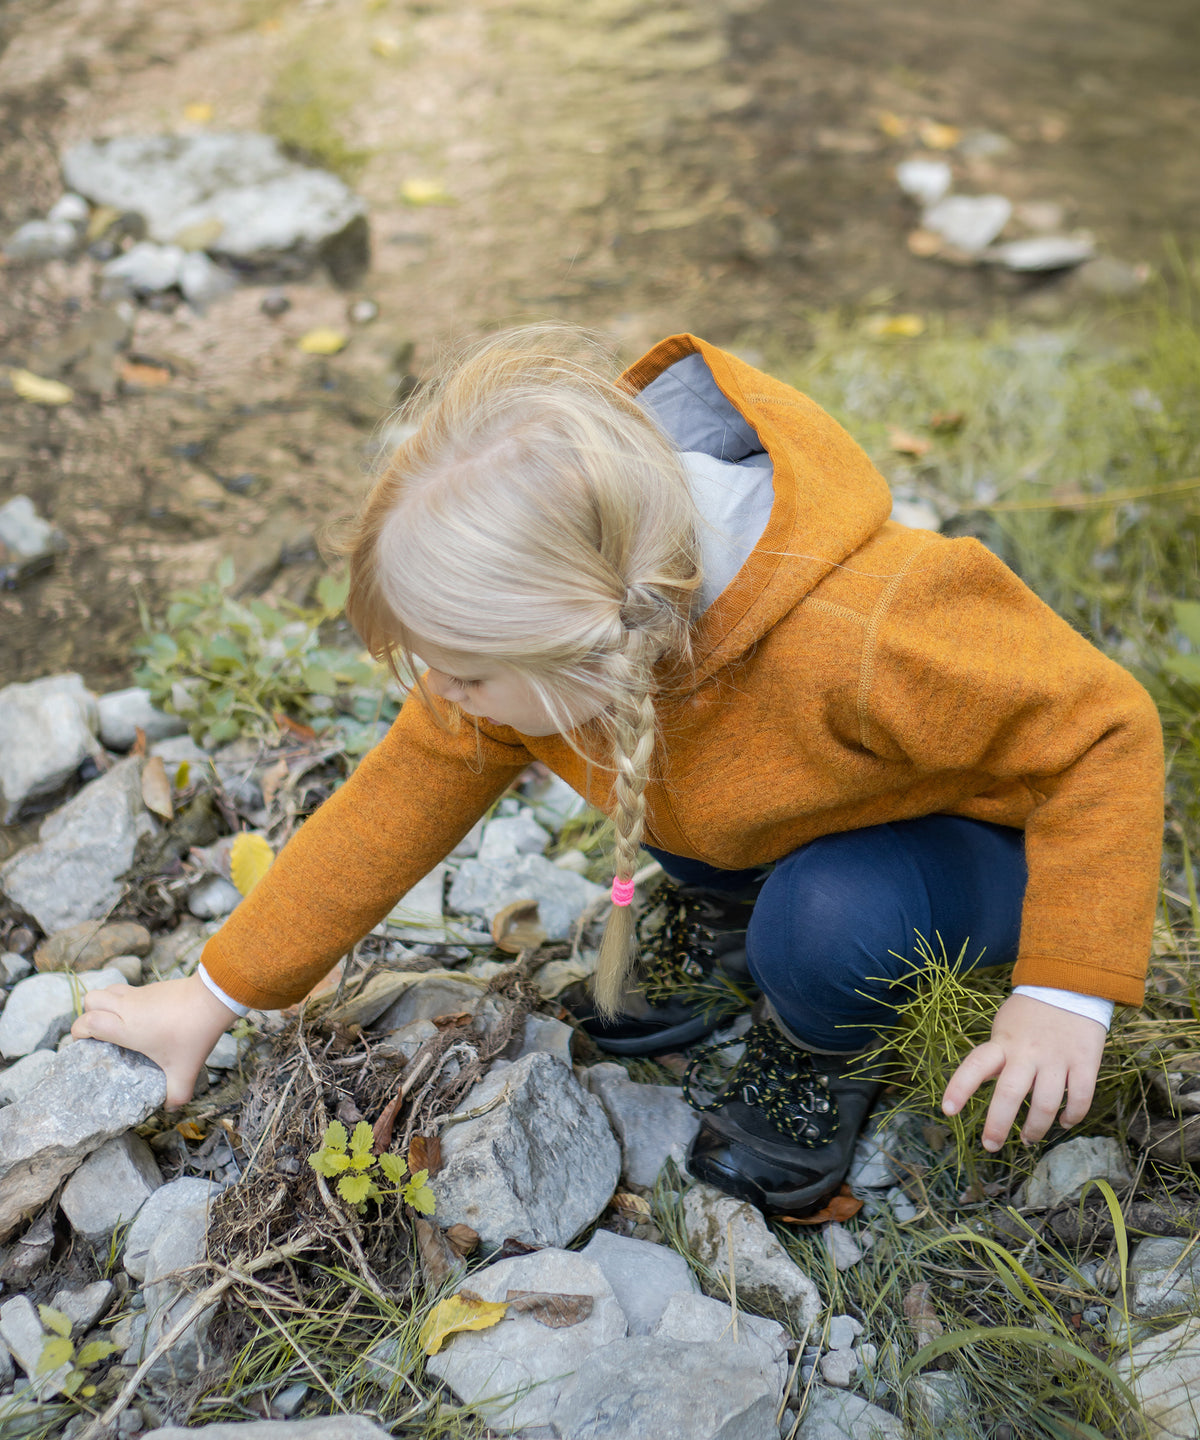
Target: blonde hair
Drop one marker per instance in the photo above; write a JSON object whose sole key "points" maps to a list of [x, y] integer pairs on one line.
{"points": [[538, 518]]}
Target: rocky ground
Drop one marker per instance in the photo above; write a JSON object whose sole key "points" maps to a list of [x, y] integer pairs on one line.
{"points": [[137, 1242]]}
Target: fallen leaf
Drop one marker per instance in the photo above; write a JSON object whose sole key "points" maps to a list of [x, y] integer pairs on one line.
{"points": [[38, 390], [139, 741], [894, 125], [842, 1206], [925, 244], [386, 1123], [463, 1311], [190, 1130], [457, 1021], [198, 112], [632, 1204], [294, 728], [387, 47], [425, 1153], [905, 444], [920, 1314], [946, 422], [272, 779], [938, 137], [182, 775], [324, 340], [907, 327], [249, 860], [518, 927], [554, 1311], [462, 1238], [936, 1136], [200, 234], [440, 1261], [100, 219], [512, 1246], [156, 788], [143, 375], [425, 192]]}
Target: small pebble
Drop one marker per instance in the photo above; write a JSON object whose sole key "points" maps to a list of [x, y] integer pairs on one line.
{"points": [[20, 941], [838, 1368], [843, 1331], [274, 302], [362, 312], [1094, 1315]]}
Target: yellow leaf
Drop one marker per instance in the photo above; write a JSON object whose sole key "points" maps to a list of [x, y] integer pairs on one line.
{"points": [[387, 47], [38, 390], [459, 1312], [55, 1320], [199, 112], [425, 192], [99, 221], [324, 340], [59, 1351], [906, 326], [250, 858], [938, 137], [893, 125]]}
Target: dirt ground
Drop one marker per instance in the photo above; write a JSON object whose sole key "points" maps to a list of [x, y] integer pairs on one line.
{"points": [[719, 166]]}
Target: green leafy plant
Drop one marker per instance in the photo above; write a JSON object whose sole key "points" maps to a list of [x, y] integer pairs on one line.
{"points": [[229, 666], [59, 1350], [357, 1168]]}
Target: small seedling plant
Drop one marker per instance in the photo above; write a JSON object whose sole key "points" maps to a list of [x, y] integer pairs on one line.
{"points": [[353, 1162], [59, 1350]]}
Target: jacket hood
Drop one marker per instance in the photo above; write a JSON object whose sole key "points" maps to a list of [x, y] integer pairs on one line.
{"points": [[828, 497]]}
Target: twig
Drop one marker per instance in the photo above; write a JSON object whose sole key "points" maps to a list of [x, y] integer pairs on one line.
{"points": [[733, 1305], [791, 1380], [201, 1303]]}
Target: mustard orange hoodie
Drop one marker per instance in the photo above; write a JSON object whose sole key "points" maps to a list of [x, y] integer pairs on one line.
{"points": [[852, 672]]}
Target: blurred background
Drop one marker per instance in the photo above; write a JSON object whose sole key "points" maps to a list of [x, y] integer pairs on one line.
{"points": [[968, 230]]}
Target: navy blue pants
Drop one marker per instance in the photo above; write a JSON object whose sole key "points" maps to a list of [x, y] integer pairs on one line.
{"points": [[836, 923]]}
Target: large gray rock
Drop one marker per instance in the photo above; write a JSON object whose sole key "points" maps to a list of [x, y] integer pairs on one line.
{"points": [[47, 730], [968, 222], [1061, 1174], [71, 874], [94, 1092], [417, 916], [539, 1166], [645, 1388], [22, 1075], [90, 946], [695, 1317], [430, 997], [644, 1277], [144, 269], [1165, 1276], [38, 1001], [768, 1280], [486, 1368], [653, 1122], [328, 1427], [21, 1330], [836, 1415], [42, 240], [187, 1195], [483, 889], [181, 1241], [518, 834], [110, 1187], [1165, 1377], [124, 712], [261, 208], [85, 1306]]}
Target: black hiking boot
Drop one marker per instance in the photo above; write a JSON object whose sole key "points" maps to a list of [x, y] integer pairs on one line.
{"points": [[693, 977], [781, 1133]]}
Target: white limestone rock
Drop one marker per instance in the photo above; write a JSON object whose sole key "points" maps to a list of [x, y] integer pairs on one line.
{"points": [[838, 1415], [1062, 1172], [85, 1306], [23, 1074], [185, 1195], [110, 1187], [21, 1330], [696, 1317], [653, 1122], [1164, 1373], [47, 730], [38, 1001], [485, 1368], [644, 1278], [768, 1280], [482, 889], [122, 713], [539, 1166], [1165, 1277], [71, 873], [518, 834]]}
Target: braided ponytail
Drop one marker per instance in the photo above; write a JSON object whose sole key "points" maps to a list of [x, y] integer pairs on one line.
{"points": [[633, 731]]}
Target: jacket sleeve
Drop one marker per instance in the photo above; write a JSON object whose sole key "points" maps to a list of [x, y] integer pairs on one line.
{"points": [[965, 669], [403, 810]]}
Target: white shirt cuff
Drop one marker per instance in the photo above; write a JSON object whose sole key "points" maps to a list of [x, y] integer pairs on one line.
{"points": [[1090, 1006], [210, 984]]}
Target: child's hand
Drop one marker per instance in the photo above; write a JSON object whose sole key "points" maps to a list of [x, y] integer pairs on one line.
{"points": [[176, 1023], [1034, 1047]]}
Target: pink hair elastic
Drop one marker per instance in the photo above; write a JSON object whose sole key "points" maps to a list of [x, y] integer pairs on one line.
{"points": [[622, 891]]}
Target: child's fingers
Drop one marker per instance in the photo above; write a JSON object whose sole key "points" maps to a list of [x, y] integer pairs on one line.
{"points": [[107, 999], [1047, 1096], [99, 1024], [1081, 1086], [1011, 1089], [981, 1064]]}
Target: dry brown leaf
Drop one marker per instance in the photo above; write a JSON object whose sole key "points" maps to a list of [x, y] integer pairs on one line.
{"points": [[383, 1127], [905, 444], [462, 1239], [440, 1262], [142, 375], [896, 126], [632, 1204], [920, 1314], [425, 1153], [554, 1311], [938, 137], [139, 741], [518, 927], [294, 728], [457, 1021], [190, 1130], [272, 779], [156, 788], [946, 422], [925, 244], [841, 1206]]}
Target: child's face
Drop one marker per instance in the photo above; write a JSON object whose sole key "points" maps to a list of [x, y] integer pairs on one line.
{"points": [[488, 690]]}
